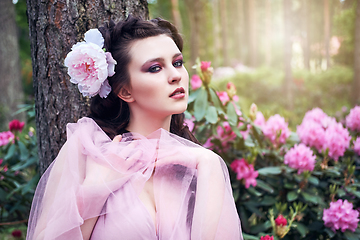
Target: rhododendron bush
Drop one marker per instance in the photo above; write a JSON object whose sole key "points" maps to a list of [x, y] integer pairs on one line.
{"points": [[18, 171], [300, 183]]}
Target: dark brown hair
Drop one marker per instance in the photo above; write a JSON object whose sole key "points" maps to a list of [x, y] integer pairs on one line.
{"points": [[112, 114]]}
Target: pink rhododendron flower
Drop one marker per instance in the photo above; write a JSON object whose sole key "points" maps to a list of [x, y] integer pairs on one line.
{"points": [[189, 123], [312, 134], [89, 66], [6, 137], [245, 133], [341, 215], [223, 96], [231, 89], [205, 65], [15, 125], [300, 157], [245, 171], [281, 221], [16, 233], [267, 237], [1, 161], [353, 119], [195, 82], [276, 129], [357, 146], [225, 134], [259, 120], [337, 140], [208, 144], [316, 115]]}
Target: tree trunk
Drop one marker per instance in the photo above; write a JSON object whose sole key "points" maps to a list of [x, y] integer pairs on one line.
{"points": [[327, 32], [355, 99], [54, 27], [216, 32], [176, 14], [252, 31], [306, 40], [288, 53], [194, 9], [268, 33], [10, 80], [224, 33], [239, 30]]}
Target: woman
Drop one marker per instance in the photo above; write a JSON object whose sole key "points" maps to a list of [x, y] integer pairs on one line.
{"points": [[132, 170]]}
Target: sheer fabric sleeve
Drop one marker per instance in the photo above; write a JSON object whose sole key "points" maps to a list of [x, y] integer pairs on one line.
{"points": [[88, 169]]}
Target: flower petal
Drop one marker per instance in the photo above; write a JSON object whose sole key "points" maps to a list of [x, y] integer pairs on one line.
{"points": [[94, 36]]}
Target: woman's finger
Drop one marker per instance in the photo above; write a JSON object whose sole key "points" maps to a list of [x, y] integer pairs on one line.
{"points": [[117, 138]]}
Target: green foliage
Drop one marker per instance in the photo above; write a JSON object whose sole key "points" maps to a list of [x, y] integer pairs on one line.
{"points": [[18, 173], [329, 90], [300, 198]]}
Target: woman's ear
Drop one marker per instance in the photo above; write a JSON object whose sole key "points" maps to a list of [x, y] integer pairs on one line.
{"points": [[125, 95]]}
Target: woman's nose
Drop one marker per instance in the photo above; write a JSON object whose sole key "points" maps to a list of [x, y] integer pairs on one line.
{"points": [[175, 75]]}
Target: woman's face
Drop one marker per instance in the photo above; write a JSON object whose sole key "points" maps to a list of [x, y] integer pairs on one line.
{"points": [[158, 79]]}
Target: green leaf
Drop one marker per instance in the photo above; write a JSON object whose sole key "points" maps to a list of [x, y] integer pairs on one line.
{"points": [[310, 198], [193, 96], [201, 104], [350, 235], [254, 192], [269, 170], [249, 142], [292, 195], [231, 114], [302, 229], [264, 186], [329, 232], [216, 101], [313, 180], [211, 115], [340, 192], [10, 152], [249, 237], [23, 165], [24, 153]]}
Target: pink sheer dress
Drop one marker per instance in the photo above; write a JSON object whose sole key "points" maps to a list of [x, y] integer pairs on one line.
{"points": [[95, 177]]}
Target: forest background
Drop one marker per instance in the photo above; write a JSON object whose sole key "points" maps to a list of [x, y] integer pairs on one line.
{"points": [[286, 56]]}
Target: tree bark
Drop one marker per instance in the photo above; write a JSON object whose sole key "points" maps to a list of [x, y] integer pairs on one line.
{"points": [[216, 32], [306, 40], [176, 14], [10, 80], [327, 32], [252, 30], [224, 33], [288, 53], [268, 33], [355, 98], [54, 27], [195, 10]]}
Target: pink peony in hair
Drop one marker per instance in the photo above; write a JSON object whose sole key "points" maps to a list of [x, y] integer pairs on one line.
{"points": [[195, 82], [245, 171], [6, 137], [341, 215], [357, 146], [276, 129], [337, 140], [353, 119], [300, 157], [89, 66]]}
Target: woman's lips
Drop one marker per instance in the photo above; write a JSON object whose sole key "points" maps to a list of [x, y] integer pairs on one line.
{"points": [[178, 93]]}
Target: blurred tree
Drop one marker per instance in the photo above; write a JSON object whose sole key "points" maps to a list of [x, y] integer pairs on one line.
{"points": [[224, 32], [10, 80], [176, 14], [356, 83], [54, 27], [306, 33], [216, 32], [327, 32], [288, 53], [268, 32], [196, 15], [252, 37]]}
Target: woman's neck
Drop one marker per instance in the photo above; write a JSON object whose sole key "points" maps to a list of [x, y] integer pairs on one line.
{"points": [[146, 125]]}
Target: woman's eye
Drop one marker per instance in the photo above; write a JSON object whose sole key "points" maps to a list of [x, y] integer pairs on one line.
{"points": [[154, 69], [178, 63]]}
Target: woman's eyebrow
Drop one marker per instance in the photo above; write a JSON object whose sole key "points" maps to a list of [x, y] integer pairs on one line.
{"points": [[177, 55]]}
